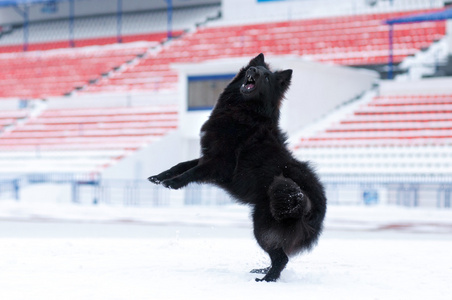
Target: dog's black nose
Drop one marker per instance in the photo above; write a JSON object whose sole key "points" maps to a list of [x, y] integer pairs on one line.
{"points": [[252, 70]]}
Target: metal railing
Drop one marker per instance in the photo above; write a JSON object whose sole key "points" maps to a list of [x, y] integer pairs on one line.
{"points": [[413, 190]]}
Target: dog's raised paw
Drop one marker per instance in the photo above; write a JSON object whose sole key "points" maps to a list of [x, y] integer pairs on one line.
{"points": [[154, 179], [172, 184]]}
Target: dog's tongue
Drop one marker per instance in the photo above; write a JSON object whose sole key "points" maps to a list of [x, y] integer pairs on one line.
{"points": [[249, 86]]}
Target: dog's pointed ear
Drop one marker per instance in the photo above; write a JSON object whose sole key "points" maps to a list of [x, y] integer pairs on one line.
{"points": [[284, 77], [258, 60]]}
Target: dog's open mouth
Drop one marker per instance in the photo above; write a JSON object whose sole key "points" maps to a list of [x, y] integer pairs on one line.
{"points": [[249, 84]]}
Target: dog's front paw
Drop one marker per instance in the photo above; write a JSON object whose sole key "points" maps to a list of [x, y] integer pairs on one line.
{"points": [[174, 183], [154, 179]]}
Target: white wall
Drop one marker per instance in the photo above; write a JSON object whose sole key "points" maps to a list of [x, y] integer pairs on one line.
{"points": [[442, 85], [118, 99], [316, 89], [46, 193], [9, 104], [150, 160]]}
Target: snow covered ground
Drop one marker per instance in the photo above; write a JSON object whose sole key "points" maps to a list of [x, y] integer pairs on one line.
{"points": [[51, 251]]}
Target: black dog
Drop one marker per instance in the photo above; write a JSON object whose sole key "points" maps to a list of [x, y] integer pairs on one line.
{"points": [[244, 152]]}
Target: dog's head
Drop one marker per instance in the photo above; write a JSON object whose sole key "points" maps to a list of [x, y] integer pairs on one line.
{"points": [[257, 87], [257, 82]]}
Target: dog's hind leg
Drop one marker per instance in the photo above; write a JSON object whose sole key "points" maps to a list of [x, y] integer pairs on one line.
{"points": [[279, 261], [287, 200], [174, 171]]}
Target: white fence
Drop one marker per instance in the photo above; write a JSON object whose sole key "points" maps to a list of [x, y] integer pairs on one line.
{"points": [[410, 191]]}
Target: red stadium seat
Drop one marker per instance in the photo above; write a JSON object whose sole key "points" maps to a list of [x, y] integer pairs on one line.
{"points": [[364, 40], [121, 128], [391, 121], [349, 40]]}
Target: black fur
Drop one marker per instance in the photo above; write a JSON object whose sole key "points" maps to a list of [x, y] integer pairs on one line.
{"points": [[244, 152]]}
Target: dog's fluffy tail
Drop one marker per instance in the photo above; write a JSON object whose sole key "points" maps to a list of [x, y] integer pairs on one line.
{"points": [[287, 200]]}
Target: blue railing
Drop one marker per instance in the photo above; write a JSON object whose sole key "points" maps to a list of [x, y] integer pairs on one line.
{"points": [[10, 189]]}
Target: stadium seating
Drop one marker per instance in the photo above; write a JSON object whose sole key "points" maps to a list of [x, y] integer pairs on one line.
{"points": [[155, 38], [384, 162], [142, 26], [48, 73], [408, 120], [351, 40], [42, 74], [91, 128], [81, 139], [392, 135], [99, 136], [11, 117]]}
